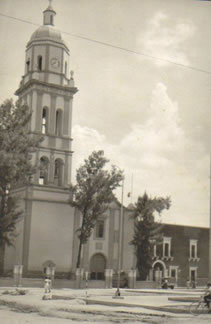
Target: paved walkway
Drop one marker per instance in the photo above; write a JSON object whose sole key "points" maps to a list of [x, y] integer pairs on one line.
{"points": [[176, 301]]}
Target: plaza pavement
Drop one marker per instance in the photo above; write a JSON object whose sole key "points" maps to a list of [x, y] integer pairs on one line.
{"points": [[174, 301], [144, 301]]}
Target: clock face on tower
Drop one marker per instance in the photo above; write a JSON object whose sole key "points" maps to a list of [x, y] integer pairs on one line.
{"points": [[55, 62]]}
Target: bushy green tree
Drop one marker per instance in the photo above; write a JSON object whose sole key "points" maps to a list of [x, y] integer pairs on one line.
{"points": [[93, 193], [16, 146], [147, 231]]}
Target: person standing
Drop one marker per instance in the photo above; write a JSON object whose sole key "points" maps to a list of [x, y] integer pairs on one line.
{"points": [[207, 296]]}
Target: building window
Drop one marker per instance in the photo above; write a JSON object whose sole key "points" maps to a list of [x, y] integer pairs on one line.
{"points": [[100, 229], [173, 273], [44, 121], [51, 19], [39, 63], [193, 274], [58, 122], [167, 247], [193, 250], [58, 172], [43, 178], [27, 65]]}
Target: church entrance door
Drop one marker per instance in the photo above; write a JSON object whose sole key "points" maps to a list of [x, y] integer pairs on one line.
{"points": [[97, 267]]}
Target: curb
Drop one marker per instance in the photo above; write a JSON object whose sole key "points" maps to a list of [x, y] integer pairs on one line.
{"points": [[165, 309]]}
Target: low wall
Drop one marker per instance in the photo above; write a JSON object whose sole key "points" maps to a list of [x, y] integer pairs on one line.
{"points": [[37, 283], [201, 282], [96, 284], [65, 283], [25, 282], [56, 283], [147, 284]]}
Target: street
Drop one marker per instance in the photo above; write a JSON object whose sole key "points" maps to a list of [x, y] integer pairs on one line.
{"points": [[70, 306]]}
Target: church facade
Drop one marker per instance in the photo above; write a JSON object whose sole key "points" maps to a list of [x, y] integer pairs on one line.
{"points": [[47, 233]]}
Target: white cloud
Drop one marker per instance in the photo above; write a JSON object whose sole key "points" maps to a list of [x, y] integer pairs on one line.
{"points": [[86, 140], [165, 40], [160, 136], [160, 156]]}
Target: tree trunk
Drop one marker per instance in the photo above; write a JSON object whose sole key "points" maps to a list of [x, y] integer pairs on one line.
{"points": [[79, 255], [2, 253], [80, 243]]}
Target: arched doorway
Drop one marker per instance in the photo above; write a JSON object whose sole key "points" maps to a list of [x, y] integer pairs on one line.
{"points": [[97, 267], [159, 270]]}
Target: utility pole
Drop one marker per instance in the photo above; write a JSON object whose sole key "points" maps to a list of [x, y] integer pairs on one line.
{"points": [[117, 294]]}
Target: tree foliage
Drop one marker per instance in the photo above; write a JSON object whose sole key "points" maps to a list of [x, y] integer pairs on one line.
{"points": [[147, 231], [16, 146], [93, 193]]}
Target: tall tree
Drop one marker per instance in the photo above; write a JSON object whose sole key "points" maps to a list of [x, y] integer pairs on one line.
{"points": [[16, 146], [93, 193], [147, 231]]}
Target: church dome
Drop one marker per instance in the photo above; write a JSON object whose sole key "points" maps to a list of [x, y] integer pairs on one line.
{"points": [[47, 32]]}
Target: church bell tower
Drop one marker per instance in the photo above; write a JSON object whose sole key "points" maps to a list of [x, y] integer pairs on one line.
{"points": [[47, 87]]}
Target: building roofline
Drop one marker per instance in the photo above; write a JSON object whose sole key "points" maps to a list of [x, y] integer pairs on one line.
{"points": [[183, 225]]}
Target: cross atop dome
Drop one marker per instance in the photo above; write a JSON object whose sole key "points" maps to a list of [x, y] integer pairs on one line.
{"points": [[48, 15]]}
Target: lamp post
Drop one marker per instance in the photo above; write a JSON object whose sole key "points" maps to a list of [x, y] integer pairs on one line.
{"points": [[117, 294]]}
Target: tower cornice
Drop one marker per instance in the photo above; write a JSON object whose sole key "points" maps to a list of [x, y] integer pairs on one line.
{"points": [[47, 41], [47, 87], [54, 136]]}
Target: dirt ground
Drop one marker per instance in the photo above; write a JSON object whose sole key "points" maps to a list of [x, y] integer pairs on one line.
{"points": [[10, 315]]}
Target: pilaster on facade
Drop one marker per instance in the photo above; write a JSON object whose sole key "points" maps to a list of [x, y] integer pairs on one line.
{"points": [[155, 256]]}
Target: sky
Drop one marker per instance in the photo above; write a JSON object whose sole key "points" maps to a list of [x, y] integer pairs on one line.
{"points": [[147, 107]]}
